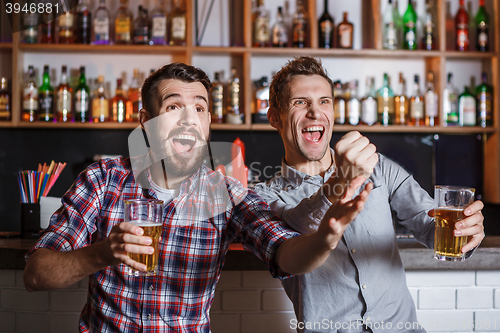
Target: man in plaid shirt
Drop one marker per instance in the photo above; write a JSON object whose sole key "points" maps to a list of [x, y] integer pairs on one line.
{"points": [[204, 212]]}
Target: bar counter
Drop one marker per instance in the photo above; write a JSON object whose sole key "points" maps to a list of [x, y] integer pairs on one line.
{"points": [[413, 254]]}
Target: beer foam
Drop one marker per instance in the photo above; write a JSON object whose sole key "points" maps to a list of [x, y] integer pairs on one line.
{"points": [[145, 223], [453, 209]]}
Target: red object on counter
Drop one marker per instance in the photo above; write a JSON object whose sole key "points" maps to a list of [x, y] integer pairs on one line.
{"points": [[221, 168], [238, 162]]}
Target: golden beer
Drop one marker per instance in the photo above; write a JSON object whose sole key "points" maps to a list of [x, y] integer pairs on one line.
{"points": [[446, 244], [152, 230]]}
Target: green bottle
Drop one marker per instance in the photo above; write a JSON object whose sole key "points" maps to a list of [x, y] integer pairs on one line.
{"points": [[82, 98], [467, 108], [484, 96], [410, 28], [482, 27], [385, 103], [46, 98]]}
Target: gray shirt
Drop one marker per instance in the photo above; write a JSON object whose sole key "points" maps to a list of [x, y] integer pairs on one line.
{"points": [[362, 284]]}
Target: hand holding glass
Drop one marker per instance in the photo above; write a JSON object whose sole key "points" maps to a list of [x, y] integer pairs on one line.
{"points": [[449, 205], [146, 214]]}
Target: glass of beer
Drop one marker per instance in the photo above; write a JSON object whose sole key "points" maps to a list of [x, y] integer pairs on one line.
{"points": [[449, 205], [146, 214]]}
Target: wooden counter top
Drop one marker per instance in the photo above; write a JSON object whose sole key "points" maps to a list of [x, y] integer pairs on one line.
{"points": [[413, 254]]}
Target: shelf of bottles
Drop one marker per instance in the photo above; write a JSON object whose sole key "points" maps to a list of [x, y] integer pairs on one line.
{"points": [[445, 37]]}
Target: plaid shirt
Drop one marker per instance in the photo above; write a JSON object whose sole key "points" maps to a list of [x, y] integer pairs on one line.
{"points": [[199, 224]]}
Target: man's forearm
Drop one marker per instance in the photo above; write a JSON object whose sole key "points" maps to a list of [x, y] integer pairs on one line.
{"points": [[48, 270], [302, 254]]}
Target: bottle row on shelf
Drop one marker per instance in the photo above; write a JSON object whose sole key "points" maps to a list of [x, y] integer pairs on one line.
{"points": [[409, 31], [419, 108], [384, 106], [81, 26], [81, 103]]}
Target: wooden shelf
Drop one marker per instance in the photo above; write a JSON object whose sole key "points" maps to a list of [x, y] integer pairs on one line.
{"points": [[396, 129], [124, 49], [5, 46], [89, 125], [229, 127]]}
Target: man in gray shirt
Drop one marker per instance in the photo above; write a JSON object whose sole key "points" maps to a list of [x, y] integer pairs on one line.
{"points": [[362, 285]]}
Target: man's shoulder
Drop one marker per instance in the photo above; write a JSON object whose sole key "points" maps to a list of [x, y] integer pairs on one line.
{"points": [[106, 166]]}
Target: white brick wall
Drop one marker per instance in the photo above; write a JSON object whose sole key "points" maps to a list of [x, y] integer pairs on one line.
{"points": [[41, 312], [252, 301], [457, 301]]}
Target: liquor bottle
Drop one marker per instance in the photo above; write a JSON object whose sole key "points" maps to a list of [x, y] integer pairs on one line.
{"points": [[82, 98], [279, 33], [300, 26], [66, 27], [338, 104], [449, 27], [141, 28], [177, 21], [234, 115], [260, 21], [48, 28], [429, 39], [83, 23], [482, 26], [484, 96], [399, 24], [417, 105], [30, 27], [118, 103], [101, 24], [431, 102], [46, 98], [390, 31], [353, 107], [288, 19], [401, 103], [123, 24], [64, 109], [345, 31], [369, 103], [261, 101], [410, 28], [134, 103], [30, 97], [100, 106], [158, 25], [467, 108], [462, 29], [472, 26], [325, 28], [450, 104], [5, 101], [217, 100], [385, 103]]}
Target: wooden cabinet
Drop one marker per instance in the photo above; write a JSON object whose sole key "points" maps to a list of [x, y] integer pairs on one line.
{"points": [[248, 61]]}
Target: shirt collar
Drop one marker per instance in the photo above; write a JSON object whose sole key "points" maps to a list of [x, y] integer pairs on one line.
{"points": [[297, 177]]}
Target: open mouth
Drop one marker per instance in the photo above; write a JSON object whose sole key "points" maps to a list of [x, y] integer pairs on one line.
{"points": [[313, 134], [184, 143]]}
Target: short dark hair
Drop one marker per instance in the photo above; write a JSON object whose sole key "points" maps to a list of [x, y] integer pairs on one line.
{"points": [[178, 71], [304, 65]]}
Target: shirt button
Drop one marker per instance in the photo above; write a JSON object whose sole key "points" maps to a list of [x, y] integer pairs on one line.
{"points": [[151, 288], [353, 251], [149, 317], [363, 286]]}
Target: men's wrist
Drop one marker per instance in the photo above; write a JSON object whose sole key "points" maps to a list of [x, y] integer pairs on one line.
{"points": [[334, 189]]}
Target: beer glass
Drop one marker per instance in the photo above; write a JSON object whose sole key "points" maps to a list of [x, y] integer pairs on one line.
{"points": [[146, 214], [449, 205]]}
